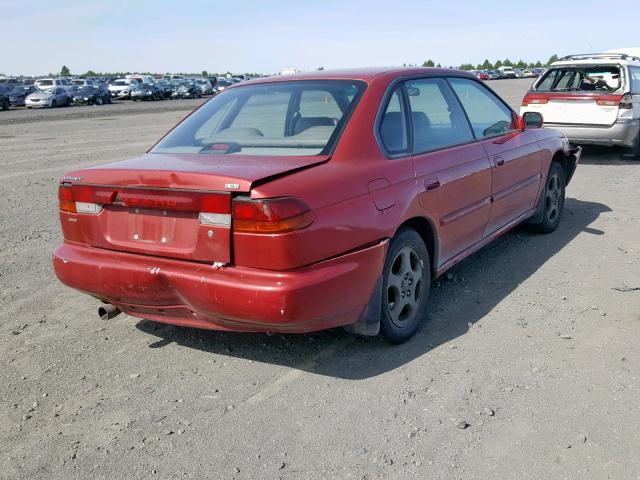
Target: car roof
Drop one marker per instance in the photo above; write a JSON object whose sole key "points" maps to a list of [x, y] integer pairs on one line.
{"points": [[606, 58], [364, 74]]}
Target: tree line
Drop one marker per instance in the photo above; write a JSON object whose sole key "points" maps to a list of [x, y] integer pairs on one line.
{"points": [[487, 65]]}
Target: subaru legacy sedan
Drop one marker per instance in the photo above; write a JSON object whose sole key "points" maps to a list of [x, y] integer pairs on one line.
{"points": [[311, 201]]}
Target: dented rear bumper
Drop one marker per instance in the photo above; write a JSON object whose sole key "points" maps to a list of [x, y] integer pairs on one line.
{"points": [[324, 295]]}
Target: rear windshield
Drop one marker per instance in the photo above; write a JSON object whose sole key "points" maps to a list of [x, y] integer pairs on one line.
{"points": [[45, 83], [580, 79], [284, 118]]}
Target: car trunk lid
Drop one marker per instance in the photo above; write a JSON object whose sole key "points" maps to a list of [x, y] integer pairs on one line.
{"points": [[166, 205]]}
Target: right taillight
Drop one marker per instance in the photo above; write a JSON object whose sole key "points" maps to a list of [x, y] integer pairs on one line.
{"points": [[273, 215], [626, 101]]}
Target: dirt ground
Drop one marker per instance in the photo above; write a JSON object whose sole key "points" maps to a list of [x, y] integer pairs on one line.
{"points": [[531, 344]]}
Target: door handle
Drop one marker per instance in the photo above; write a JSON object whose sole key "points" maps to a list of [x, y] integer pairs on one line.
{"points": [[499, 161], [431, 184]]}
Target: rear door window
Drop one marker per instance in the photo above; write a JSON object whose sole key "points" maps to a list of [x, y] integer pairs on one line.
{"points": [[436, 117], [488, 115], [393, 126]]}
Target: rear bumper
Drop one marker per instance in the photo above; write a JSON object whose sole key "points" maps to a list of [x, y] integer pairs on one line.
{"points": [[621, 134], [324, 295]]}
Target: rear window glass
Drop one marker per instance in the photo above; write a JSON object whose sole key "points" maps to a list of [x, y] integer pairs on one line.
{"points": [[581, 79], [45, 83], [284, 118]]}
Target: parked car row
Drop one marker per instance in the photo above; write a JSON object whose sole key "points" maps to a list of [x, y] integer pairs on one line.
{"points": [[507, 72], [57, 92]]}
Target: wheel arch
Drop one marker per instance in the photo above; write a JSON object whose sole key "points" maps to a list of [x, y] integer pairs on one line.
{"points": [[568, 161], [427, 231]]}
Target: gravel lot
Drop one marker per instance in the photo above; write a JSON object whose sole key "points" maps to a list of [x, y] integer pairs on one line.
{"points": [[531, 345]]}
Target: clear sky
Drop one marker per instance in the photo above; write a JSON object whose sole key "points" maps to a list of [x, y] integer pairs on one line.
{"points": [[39, 36]]}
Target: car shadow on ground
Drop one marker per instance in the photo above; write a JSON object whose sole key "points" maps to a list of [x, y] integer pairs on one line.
{"points": [[459, 299]]}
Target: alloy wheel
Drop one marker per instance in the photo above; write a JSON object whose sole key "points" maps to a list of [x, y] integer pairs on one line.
{"points": [[553, 198], [404, 286]]}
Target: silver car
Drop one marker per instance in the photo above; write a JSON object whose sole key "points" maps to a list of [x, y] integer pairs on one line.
{"points": [[56, 97], [204, 85]]}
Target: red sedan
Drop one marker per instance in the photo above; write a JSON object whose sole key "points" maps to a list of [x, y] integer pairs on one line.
{"points": [[313, 201]]}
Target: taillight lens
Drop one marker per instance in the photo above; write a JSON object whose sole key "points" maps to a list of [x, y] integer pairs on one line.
{"points": [[626, 101], [73, 199], [65, 196], [276, 215], [529, 100], [607, 103]]}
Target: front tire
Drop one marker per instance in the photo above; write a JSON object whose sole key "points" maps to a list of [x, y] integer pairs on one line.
{"points": [[405, 288], [5, 104], [552, 200], [54, 104]]}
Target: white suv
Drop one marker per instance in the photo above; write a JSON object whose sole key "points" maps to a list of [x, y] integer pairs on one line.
{"points": [[592, 98]]}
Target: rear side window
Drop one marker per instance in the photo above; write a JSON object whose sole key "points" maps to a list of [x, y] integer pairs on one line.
{"points": [[634, 79], [488, 115], [393, 126], [436, 117]]}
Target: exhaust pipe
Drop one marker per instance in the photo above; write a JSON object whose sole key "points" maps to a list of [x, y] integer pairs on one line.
{"points": [[108, 311]]}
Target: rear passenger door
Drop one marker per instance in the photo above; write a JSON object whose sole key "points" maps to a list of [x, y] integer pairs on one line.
{"points": [[452, 169], [515, 156]]}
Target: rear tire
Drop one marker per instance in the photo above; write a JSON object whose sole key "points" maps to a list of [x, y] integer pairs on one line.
{"points": [[405, 286], [552, 200], [54, 104], [633, 153], [6, 104], [99, 101]]}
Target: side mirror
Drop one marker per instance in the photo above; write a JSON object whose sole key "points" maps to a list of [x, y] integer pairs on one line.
{"points": [[532, 120]]}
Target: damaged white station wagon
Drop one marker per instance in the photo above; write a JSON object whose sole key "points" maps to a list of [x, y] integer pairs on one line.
{"points": [[593, 98]]}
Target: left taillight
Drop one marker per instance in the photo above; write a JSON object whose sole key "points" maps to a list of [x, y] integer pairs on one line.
{"points": [[65, 198], [75, 202], [274, 215]]}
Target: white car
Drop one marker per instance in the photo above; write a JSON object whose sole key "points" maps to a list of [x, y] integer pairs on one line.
{"points": [[49, 83], [121, 88], [82, 82], [55, 97], [507, 72], [592, 98]]}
